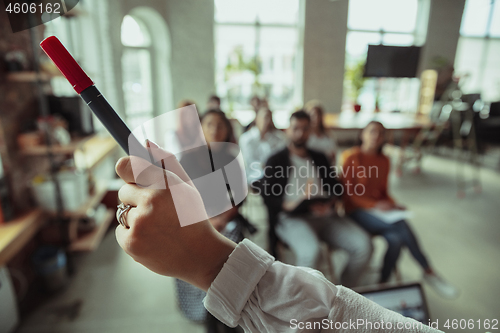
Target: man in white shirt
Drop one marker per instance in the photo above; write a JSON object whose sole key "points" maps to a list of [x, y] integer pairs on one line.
{"points": [[299, 189], [260, 142]]}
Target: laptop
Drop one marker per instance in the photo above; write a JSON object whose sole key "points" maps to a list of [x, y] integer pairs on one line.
{"points": [[408, 300]]}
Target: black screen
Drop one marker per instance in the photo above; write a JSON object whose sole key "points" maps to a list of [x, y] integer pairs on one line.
{"points": [[75, 112], [391, 61]]}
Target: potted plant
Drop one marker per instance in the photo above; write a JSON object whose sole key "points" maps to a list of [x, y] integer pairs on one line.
{"points": [[236, 65], [354, 75]]}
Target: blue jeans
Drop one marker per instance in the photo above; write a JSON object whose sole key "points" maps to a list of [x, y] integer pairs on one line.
{"points": [[396, 235]]}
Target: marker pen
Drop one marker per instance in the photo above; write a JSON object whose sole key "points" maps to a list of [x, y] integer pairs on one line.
{"points": [[84, 86]]}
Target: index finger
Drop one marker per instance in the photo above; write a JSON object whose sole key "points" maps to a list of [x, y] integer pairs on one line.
{"points": [[136, 170]]}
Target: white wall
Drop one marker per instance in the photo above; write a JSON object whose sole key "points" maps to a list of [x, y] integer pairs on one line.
{"points": [[324, 52], [443, 31], [191, 24], [191, 28]]}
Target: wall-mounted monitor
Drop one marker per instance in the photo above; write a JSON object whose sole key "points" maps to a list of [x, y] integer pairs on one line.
{"points": [[392, 61]]}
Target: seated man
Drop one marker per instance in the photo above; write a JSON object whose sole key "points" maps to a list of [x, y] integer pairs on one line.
{"points": [[299, 189]]}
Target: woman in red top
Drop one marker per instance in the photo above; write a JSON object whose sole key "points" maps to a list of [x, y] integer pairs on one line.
{"points": [[366, 171]]}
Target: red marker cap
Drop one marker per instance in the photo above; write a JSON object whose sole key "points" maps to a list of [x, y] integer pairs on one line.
{"points": [[66, 63]]}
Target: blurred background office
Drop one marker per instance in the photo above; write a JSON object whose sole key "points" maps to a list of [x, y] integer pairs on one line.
{"points": [[428, 70]]}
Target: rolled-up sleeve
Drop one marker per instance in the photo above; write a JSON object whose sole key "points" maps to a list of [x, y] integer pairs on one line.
{"points": [[263, 295]]}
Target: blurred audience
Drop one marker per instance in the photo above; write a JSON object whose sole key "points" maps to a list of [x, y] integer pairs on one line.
{"points": [[299, 191], [292, 172], [319, 139], [258, 143], [366, 166]]}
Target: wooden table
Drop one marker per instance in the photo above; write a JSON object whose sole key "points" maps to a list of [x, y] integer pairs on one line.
{"points": [[15, 234], [349, 121]]}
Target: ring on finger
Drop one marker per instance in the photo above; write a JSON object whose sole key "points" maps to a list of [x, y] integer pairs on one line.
{"points": [[121, 213]]}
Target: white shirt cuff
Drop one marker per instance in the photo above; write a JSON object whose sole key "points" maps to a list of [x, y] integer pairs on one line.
{"points": [[231, 289]]}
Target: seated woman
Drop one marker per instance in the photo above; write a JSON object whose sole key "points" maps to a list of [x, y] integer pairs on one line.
{"points": [[260, 142], [319, 139], [200, 162], [368, 208]]}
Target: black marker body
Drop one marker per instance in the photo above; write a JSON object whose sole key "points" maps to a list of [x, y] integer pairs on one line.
{"points": [[113, 123]]}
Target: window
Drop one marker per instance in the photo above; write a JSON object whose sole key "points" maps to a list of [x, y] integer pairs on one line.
{"points": [[255, 52], [478, 62], [137, 72], [387, 22]]}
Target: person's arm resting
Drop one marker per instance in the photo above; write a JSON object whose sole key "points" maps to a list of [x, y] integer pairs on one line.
{"points": [[263, 295]]}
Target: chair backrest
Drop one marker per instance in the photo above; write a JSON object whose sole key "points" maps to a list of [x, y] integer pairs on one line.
{"points": [[272, 221], [494, 109], [271, 233]]}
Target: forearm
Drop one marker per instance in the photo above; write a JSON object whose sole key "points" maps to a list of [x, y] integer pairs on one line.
{"points": [[209, 258], [222, 252]]}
